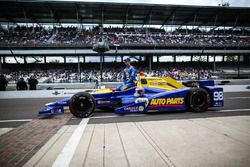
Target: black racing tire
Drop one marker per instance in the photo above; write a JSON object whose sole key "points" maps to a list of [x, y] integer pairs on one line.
{"points": [[82, 104], [198, 100]]}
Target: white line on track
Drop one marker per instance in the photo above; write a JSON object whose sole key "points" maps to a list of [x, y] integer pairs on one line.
{"points": [[16, 120], [232, 110], [64, 158], [238, 97]]}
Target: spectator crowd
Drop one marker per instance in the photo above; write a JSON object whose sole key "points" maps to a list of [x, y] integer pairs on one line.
{"points": [[73, 36], [93, 75]]}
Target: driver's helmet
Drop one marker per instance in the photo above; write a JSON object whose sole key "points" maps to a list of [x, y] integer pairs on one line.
{"points": [[139, 91]]}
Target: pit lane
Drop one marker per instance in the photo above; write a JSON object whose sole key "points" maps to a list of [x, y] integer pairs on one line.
{"points": [[15, 112]]}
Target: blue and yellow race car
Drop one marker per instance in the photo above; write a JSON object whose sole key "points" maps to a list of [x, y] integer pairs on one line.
{"points": [[160, 94]]}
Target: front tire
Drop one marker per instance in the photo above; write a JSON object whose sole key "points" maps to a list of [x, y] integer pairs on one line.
{"points": [[82, 104], [198, 100]]}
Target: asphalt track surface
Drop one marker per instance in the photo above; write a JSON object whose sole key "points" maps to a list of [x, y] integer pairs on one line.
{"points": [[20, 110]]}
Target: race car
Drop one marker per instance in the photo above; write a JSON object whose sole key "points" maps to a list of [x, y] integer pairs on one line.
{"points": [[160, 95]]}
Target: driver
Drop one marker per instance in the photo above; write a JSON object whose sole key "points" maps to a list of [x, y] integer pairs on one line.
{"points": [[128, 76]]}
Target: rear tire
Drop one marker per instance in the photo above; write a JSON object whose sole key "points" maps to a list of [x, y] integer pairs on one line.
{"points": [[82, 104], [198, 100]]}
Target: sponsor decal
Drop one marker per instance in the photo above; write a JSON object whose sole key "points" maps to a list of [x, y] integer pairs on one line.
{"points": [[56, 111], [218, 104], [142, 99], [103, 102], [132, 108], [56, 93], [158, 83], [172, 102], [141, 108]]}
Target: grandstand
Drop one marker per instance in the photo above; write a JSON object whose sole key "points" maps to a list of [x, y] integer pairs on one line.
{"points": [[53, 40]]}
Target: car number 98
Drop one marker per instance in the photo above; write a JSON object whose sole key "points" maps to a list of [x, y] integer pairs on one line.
{"points": [[218, 95]]}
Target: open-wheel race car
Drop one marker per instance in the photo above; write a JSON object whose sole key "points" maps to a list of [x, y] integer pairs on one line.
{"points": [[160, 94]]}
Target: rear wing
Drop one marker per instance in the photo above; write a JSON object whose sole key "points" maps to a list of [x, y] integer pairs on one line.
{"points": [[206, 83]]}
